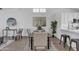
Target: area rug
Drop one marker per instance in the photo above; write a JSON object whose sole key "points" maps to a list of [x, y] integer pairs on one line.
{"points": [[3, 45]]}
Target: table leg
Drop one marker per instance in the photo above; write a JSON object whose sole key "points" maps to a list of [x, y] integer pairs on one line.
{"points": [[48, 43]]}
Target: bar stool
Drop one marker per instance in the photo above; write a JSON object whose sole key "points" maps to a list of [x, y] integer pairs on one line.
{"points": [[64, 36], [75, 41]]}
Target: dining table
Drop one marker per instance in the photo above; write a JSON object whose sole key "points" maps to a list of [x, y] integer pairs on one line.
{"points": [[48, 41]]}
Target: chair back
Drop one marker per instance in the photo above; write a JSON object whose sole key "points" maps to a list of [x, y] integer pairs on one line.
{"points": [[28, 32], [40, 39], [19, 31]]}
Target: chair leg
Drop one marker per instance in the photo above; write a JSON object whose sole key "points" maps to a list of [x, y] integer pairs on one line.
{"points": [[64, 43], [76, 47], [21, 37], [60, 40], [15, 38], [70, 46], [29, 42]]}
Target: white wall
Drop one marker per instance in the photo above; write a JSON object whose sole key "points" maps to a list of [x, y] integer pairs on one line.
{"points": [[23, 18], [57, 14]]}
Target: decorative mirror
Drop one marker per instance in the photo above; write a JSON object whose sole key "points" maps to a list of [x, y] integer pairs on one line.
{"points": [[11, 22]]}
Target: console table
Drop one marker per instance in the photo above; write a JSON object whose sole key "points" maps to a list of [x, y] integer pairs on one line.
{"points": [[7, 30]]}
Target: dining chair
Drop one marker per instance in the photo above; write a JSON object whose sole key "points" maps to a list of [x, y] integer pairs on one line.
{"points": [[19, 34], [29, 36], [40, 41]]}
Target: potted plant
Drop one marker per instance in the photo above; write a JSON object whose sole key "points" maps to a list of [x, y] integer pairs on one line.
{"points": [[39, 28], [53, 27]]}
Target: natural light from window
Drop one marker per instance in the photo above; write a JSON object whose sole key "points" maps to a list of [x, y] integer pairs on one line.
{"points": [[39, 10]]}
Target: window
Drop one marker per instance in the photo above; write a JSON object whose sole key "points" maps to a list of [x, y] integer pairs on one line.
{"points": [[39, 10], [35, 10], [42, 10]]}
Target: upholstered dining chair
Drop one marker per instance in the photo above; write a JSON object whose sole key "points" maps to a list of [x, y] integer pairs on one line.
{"points": [[29, 36], [29, 32], [40, 41], [19, 34]]}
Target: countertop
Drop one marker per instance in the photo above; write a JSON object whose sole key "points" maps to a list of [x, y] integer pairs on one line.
{"points": [[71, 30]]}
